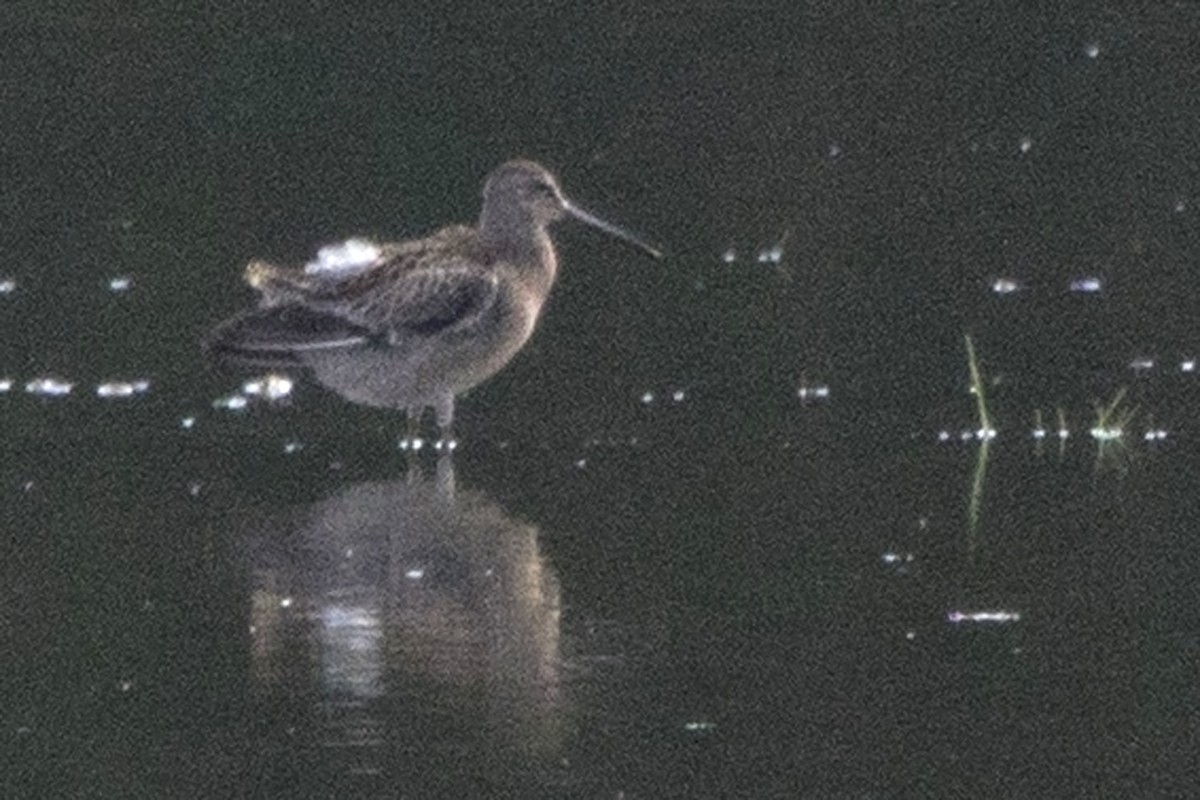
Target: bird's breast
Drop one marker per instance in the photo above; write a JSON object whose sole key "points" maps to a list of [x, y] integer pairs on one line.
{"points": [[519, 308]]}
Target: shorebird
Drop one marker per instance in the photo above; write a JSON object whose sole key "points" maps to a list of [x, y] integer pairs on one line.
{"points": [[413, 324]]}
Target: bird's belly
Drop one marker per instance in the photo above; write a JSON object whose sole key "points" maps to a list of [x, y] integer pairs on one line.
{"points": [[422, 370]]}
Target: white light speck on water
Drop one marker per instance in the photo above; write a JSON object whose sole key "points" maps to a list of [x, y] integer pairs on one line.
{"points": [[121, 283], [122, 388], [233, 402], [1092, 50], [270, 387], [983, 616], [7, 286], [818, 392], [771, 255], [1026, 144], [49, 387]]}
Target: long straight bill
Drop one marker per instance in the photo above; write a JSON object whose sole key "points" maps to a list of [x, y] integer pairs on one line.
{"points": [[591, 219]]}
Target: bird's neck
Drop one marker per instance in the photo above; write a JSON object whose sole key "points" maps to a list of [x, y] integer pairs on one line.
{"points": [[516, 239]]}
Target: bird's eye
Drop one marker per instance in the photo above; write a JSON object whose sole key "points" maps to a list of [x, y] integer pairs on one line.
{"points": [[542, 188]]}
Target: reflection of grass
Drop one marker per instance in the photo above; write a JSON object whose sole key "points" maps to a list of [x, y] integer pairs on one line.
{"points": [[975, 504]]}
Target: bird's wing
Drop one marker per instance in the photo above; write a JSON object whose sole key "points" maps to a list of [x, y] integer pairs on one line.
{"points": [[426, 300], [278, 335], [419, 287], [415, 288]]}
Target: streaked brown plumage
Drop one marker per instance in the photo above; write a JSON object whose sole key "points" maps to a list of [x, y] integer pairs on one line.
{"points": [[425, 319]]}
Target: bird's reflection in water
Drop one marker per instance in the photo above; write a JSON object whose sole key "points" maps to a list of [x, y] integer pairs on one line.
{"points": [[408, 621]]}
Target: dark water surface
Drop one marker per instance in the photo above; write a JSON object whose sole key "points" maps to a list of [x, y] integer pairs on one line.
{"points": [[664, 563]]}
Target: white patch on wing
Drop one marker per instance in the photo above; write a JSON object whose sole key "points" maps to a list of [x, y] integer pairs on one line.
{"points": [[345, 258]]}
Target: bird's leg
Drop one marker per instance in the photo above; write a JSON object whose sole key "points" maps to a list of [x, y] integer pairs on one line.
{"points": [[445, 420], [412, 430], [411, 443], [445, 484]]}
